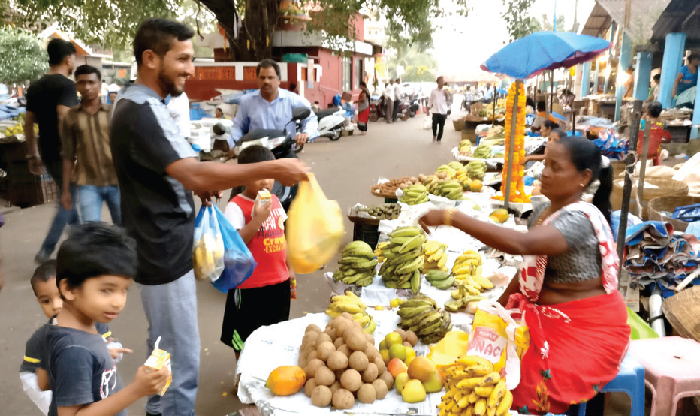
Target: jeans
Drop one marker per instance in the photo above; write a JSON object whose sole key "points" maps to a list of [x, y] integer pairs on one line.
{"points": [[90, 199], [171, 310], [63, 216], [438, 122]]}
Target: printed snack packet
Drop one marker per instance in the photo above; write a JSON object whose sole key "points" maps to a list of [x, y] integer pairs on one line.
{"points": [[158, 360], [293, 284]]}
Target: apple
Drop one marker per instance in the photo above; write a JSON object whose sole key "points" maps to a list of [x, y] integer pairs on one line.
{"points": [[434, 383], [396, 367], [401, 381], [413, 391], [421, 369]]}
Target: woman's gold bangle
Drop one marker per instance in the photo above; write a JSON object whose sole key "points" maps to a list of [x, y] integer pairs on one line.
{"points": [[449, 214]]}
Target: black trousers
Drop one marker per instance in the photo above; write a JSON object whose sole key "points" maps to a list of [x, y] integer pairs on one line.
{"points": [[395, 116], [438, 125]]}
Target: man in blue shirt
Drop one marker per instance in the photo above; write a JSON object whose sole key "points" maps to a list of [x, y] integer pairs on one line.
{"points": [[271, 107]]}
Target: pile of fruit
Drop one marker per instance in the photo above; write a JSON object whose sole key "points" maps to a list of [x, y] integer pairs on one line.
{"points": [[476, 169], [473, 388], [382, 212], [398, 345], [499, 216], [517, 194], [351, 305], [467, 270], [482, 151], [451, 189], [463, 300], [449, 169], [421, 316], [440, 279], [404, 259], [17, 128], [208, 256], [342, 364], [414, 194], [389, 188], [435, 255], [465, 148], [357, 264]]}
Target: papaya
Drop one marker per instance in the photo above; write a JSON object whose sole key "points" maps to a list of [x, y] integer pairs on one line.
{"points": [[286, 380]]}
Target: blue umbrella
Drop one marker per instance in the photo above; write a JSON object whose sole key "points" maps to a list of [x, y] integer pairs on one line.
{"points": [[540, 51]]}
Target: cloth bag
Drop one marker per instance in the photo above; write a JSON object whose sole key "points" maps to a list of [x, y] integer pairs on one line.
{"points": [[314, 228], [208, 247], [496, 337], [239, 263]]}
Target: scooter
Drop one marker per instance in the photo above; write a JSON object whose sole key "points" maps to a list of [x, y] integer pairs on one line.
{"points": [[377, 108], [407, 108], [282, 145], [332, 122]]}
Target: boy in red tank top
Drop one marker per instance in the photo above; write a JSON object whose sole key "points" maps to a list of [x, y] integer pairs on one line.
{"points": [[263, 299]]}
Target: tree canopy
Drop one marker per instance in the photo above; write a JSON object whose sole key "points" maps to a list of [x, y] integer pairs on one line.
{"points": [[23, 58], [518, 19]]}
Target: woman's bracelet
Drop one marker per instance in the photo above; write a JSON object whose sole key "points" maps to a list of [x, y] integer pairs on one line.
{"points": [[448, 215]]}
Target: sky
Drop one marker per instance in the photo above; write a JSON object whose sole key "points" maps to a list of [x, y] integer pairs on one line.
{"points": [[463, 44]]}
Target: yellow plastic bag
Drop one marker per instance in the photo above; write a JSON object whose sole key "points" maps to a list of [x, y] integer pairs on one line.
{"points": [[452, 347], [496, 337], [314, 228]]}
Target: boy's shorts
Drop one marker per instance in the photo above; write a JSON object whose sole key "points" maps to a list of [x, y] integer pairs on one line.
{"points": [[249, 309]]}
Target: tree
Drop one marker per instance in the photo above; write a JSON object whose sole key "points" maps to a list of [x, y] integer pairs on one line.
{"points": [[518, 20], [412, 60], [249, 24], [418, 74], [547, 24], [23, 57]]}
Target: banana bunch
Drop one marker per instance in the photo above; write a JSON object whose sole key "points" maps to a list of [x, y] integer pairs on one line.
{"points": [[208, 257], [378, 251], [404, 259], [414, 194], [455, 165], [452, 189], [420, 315], [351, 304], [465, 146], [440, 279], [357, 264], [462, 299], [446, 170], [467, 270], [476, 169], [482, 151], [434, 255], [473, 388]]}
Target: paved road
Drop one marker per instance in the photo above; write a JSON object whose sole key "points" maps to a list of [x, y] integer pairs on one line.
{"points": [[345, 169]]}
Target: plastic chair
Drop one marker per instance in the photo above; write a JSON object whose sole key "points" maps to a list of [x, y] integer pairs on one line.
{"points": [[629, 380], [672, 370]]}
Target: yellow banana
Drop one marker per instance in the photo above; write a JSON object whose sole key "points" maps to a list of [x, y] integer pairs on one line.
{"points": [[472, 290], [505, 404], [473, 397], [471, 281], [480, 408], [497, 395], [482, 281], [442, 261], [484, 391], [469, 383], [473, 360], [491, 379]]}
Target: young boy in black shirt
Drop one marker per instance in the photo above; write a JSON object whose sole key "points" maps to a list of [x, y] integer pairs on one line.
{"points": [[95, 267]]}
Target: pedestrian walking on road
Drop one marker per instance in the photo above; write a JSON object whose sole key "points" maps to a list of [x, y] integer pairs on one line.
{"points": [[397, 100], [157, 171], [438, 105], [389, 94], [48, 102], [87, 159]]}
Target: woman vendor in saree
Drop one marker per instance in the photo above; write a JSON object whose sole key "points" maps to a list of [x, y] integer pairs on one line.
{"points": [[567, 290]]}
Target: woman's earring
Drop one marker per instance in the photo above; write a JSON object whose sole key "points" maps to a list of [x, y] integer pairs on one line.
{"points": [[582, 185]]}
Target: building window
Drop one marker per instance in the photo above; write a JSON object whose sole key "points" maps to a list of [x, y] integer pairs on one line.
{"points": [[359, 72], [347, 73]]}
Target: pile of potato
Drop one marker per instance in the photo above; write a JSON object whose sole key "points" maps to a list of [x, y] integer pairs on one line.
{"points": [[341, 364]]}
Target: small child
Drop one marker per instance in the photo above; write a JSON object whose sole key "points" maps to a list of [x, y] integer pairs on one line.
{"points": [[265, 298], [33, 369], [94, 268]]}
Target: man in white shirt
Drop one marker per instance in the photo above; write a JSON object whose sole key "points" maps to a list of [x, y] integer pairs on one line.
{"points": [[396, 98], [389, 93], [180, 111], [438, 105]]}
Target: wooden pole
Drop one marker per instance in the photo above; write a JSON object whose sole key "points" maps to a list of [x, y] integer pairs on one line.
{"points": [[627, 189], [511, 139], [643, 167]]}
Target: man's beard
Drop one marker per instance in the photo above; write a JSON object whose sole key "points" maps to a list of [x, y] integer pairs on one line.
{"points": [[167, 85]]}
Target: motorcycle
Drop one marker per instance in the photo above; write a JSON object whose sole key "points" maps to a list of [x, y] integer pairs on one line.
{"points": [[332, 122], [377, 108], [408, 108], [282, 145]]}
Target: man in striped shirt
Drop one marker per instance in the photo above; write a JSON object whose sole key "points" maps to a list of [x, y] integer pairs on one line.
{"points": [[87, 158]]}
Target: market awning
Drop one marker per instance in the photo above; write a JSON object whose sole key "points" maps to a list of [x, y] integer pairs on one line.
{"points": [[679, 16], [643, 16]]}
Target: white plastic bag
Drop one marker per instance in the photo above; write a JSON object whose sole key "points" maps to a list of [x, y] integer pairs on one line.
{"points": [[427, 122]]}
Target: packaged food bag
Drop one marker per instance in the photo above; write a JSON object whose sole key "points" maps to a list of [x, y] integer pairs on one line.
{"points": [[451, 348], [314, 228], [496, 337], [208, 247], [239, 263], [158, 360]]}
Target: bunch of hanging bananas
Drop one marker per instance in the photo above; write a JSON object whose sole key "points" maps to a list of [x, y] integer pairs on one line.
{"points": [[404, 259], [350, 303], [414, 194], [420, 315], [452, 189], [473, 388], [440, 279], [357, 264], [435, 255]]}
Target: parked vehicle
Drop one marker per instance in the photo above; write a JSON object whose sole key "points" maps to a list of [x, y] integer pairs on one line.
{"points": [[282, 145], [377, 108], [332, 122]]}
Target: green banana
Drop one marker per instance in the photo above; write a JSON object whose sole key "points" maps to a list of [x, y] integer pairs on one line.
{"points": [[444, 284], [390, 284], [408, 313], [406, 232], [410, 267], [430, 318], [435, 275], [415, 282], [400, 240], [453, 305], [358, 249], [418, 301], [406, 285], [358, 262], [424, 331], [416, 241]]}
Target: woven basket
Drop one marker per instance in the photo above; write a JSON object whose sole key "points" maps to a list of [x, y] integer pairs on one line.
{"points": [[459, 124], [618, 167], [669, 204], [683, 312], [666, 187]]}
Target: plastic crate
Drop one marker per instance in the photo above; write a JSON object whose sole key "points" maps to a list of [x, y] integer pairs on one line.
{"points": [[26, 194], [367, 233]]}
